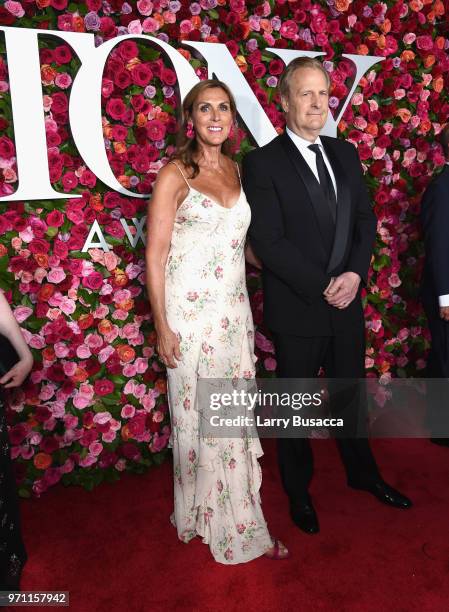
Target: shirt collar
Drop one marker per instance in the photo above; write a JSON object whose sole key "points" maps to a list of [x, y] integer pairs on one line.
{"points": [[301, 142]]}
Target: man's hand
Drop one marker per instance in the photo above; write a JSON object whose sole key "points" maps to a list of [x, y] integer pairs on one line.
{"points": [[444, 313], [342, 290]]}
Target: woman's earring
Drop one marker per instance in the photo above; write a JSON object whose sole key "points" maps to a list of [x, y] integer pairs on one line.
{"points": [[190, 132]]}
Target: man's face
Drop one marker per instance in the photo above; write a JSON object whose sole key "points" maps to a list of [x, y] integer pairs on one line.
{"points": [[307, 104]]}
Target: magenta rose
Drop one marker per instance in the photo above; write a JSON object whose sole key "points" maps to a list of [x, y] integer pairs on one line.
{"points": [[128, 50], [103, 386], [289, 29], [62, 54], [93, 281], [59, 102], [7, 148], [69, 181], [155, 130]]}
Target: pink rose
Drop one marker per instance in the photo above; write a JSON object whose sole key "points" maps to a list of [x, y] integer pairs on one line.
{"points": [[15, 8], [56, 276]]}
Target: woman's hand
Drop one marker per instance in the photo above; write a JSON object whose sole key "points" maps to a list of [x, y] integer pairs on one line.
{"points": [[251, 257], [168, 347], [17, 373]]}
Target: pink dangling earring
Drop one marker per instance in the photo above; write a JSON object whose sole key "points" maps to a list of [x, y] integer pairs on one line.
{"points": [[190, 132]]}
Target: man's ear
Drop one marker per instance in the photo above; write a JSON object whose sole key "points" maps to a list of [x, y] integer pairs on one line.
{"points": [[284, 104]]}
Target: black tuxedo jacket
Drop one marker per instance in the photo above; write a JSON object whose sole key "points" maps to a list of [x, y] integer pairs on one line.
{"points": [[435, 223], [299, 248]]}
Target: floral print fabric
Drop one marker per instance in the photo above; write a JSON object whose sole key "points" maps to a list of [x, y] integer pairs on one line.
{"points": [[216, 480]]}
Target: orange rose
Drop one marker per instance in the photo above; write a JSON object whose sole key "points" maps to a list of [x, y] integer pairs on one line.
{"points": [[424, 126], [184, 53], [42, 461], [342, 5], [404, 114], [195, 20], [124, 181], [429, 61], [141, 120], [439, 42], [80, 375], [48, 74], [119, 147], [120, 278], [362, 50], [416, 5], [78, 23], [45, 292], [95, 202], [125, 352], [372, 129], [161, 385], [438, 8], [43, 3], [3, 250], [126, 305], [125, 433], [386, 26], [437, 84], [41, 259], [342, 125], [104, 327], [132, 62], [158, 17], [407, 56]]}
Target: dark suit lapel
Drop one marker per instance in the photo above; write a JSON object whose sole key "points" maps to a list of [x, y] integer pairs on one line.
{"points": [[314, 190], [343, 206]]}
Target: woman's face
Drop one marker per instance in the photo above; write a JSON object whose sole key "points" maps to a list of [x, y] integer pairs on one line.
{"points": [[212, 116]]}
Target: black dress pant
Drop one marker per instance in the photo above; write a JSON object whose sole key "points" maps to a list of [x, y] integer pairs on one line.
{"points": [[342, 356]]}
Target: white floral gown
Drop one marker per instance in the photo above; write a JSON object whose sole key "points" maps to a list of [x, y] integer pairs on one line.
{"points": [[216, 481]]}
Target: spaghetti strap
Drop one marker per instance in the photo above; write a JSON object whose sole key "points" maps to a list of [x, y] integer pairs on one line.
{"points": [[182, 173], [238, 172]]}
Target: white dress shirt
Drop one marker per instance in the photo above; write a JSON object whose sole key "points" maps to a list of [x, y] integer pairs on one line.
{"points": [[444, 299], [310, 157]]}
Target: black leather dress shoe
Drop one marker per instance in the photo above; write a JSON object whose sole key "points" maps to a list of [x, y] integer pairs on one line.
{"points": [[440, 441], [304, 517], [386, 494]]}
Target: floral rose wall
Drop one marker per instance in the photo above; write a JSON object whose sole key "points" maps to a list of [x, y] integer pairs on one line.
{"points": [[95, 404]]}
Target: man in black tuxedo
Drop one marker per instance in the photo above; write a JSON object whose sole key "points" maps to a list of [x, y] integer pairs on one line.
{"points": [[313, 229], [435, 287]]}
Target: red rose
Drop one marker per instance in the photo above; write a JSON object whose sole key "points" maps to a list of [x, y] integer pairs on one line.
{"points": [[259, 70], [103, 386], [55, 218], [122, 79], [141, 74], [233, 47], [62, 54], [116, 108], [168, 76], [39, 245], [276, 67]]}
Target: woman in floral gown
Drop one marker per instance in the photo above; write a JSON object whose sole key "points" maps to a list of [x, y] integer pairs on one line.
{"points": [[197, 223]]}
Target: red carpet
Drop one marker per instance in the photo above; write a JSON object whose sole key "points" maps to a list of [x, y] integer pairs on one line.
{"points": [[114, 548]]}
